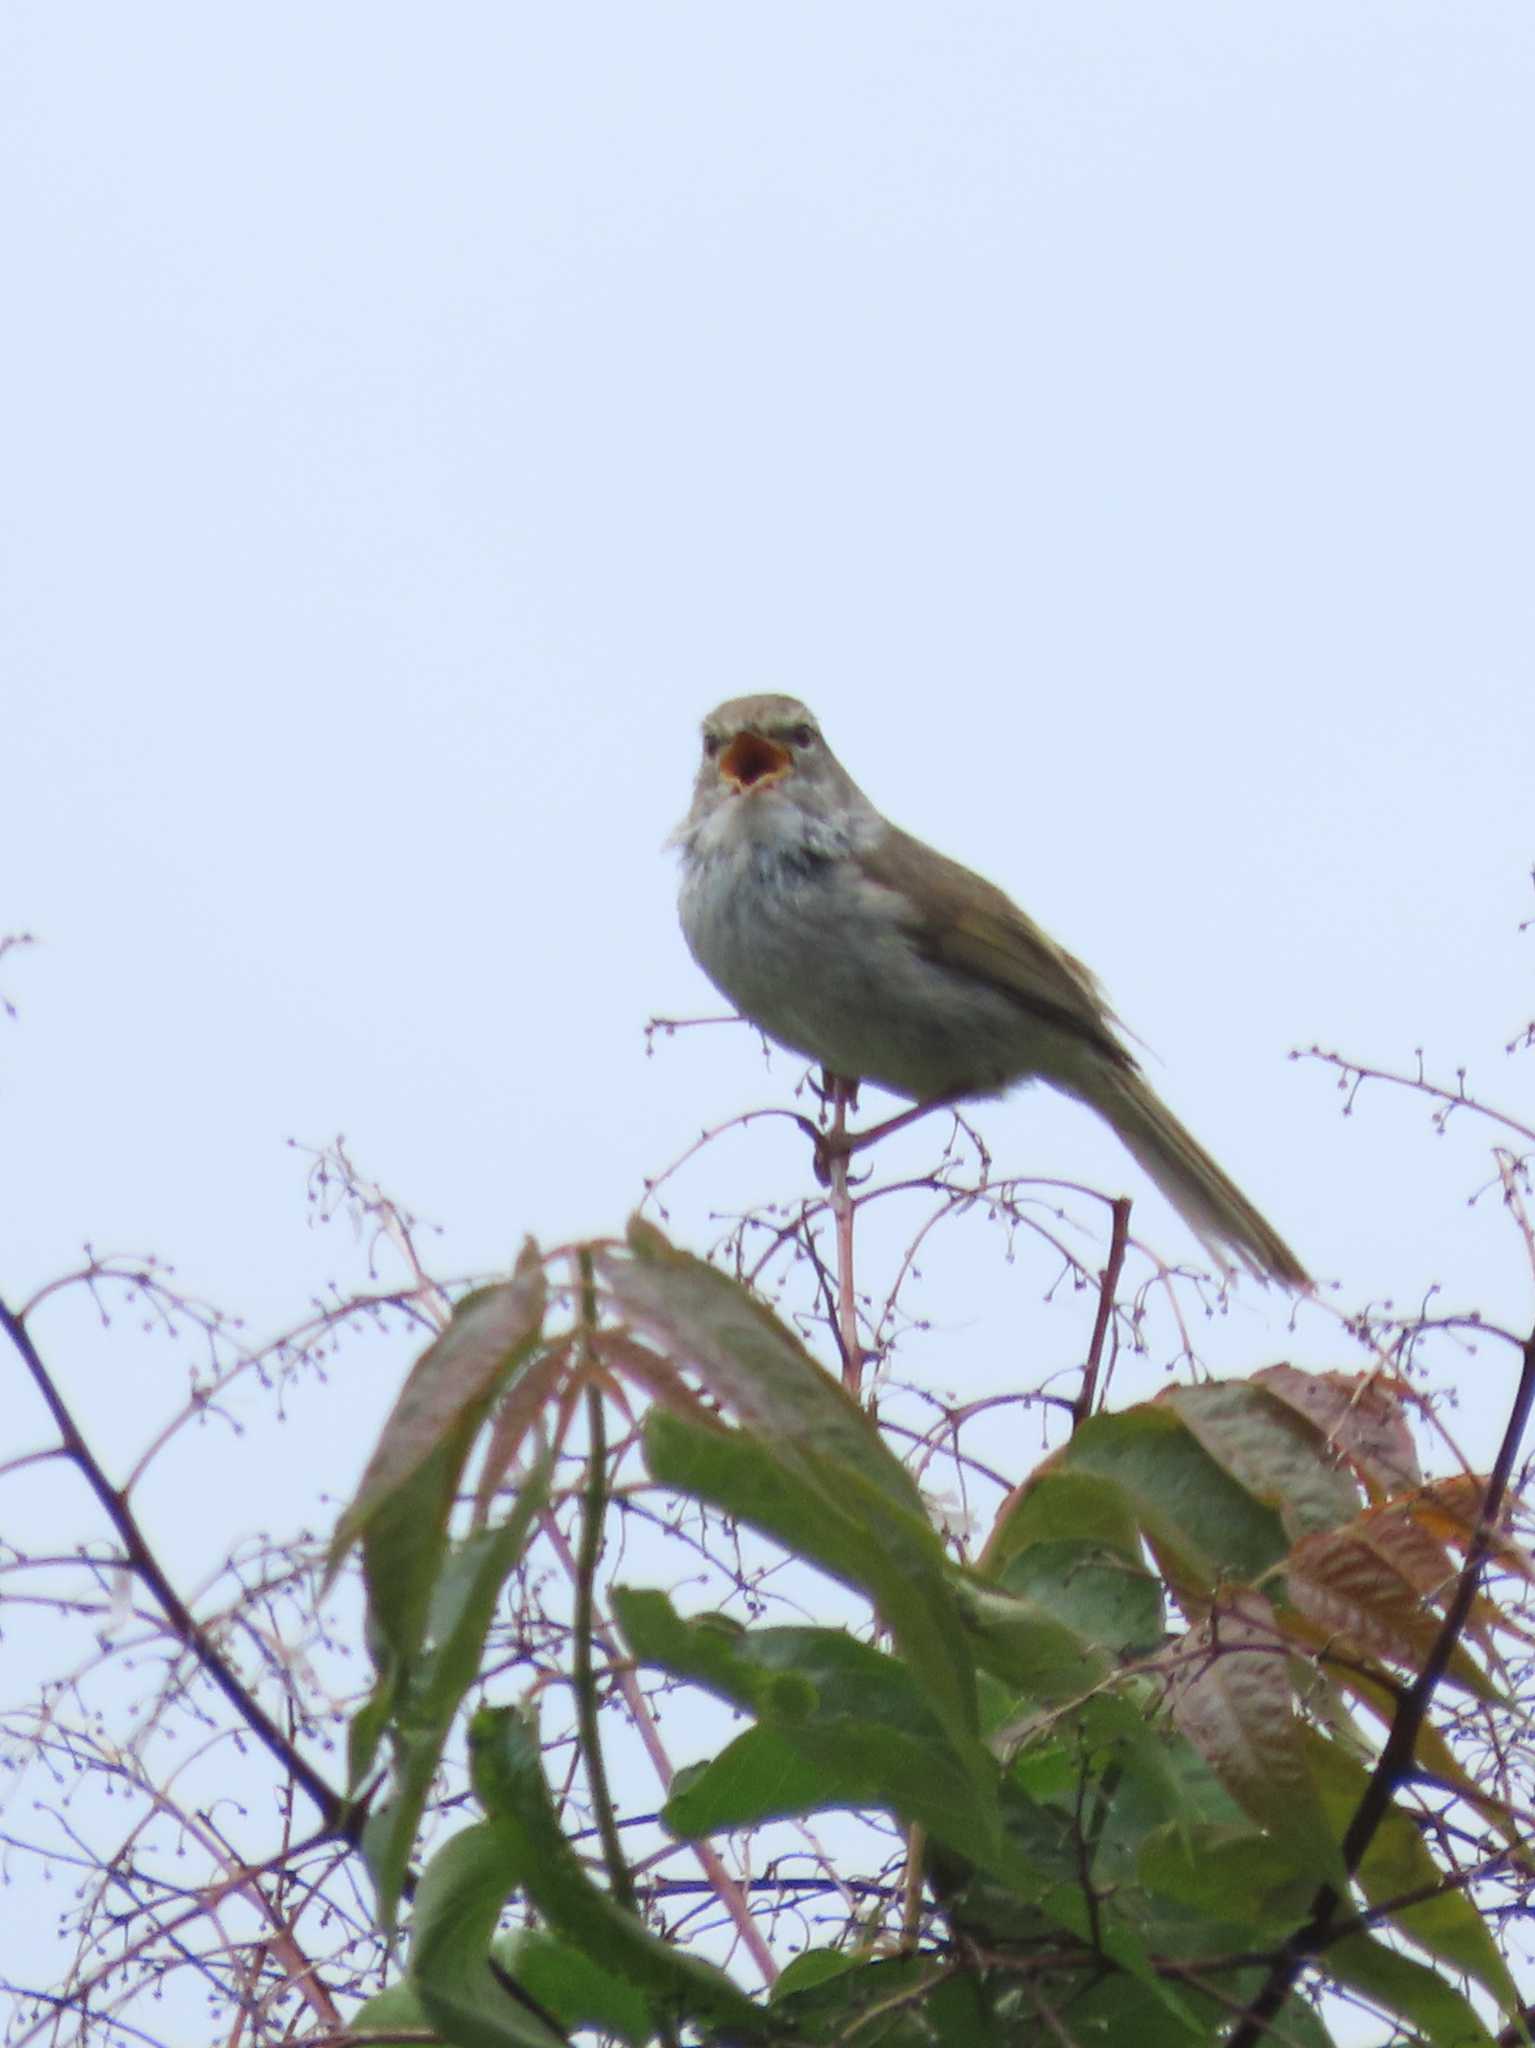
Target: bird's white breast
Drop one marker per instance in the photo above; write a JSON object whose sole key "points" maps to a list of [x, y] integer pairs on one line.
{"points": [[779, 913]]}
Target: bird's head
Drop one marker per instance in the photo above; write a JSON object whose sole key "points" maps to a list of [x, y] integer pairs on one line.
{"points": [[766, 768]]}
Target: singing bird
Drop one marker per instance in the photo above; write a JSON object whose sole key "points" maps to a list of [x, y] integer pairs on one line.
{"points": [[850, 942]]}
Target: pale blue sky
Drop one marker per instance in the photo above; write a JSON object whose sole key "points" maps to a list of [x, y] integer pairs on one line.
{"points": [[1116, 421]]}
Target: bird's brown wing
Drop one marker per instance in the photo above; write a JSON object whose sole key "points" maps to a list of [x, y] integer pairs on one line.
{"points": [[965, 923]]}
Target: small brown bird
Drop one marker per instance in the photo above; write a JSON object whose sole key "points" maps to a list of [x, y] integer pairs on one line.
{"points": [[849, 941]]}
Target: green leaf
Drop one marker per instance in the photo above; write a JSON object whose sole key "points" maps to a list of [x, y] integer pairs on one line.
{"points": [[403, 1546], [874, 2003], [1236, 1707], [762, 1775], [458, 1903], [464, 1604], [1281, 1458], [455, 1378], [1022, 1642], [1203, 1526], [753, 1365], [1121, 2012], [851, 1730], [536, 1858], [814, 1966], [1298, 2025], [1117, 1733], [808, 1462], [838, 1520], [1397, 1862], [1106, 1759], [1108, 1598], [424, 1696], [960, 2012], [1230, 1874], [575, 1987], [859, 1732], [366, 1729], [1041, 1873], [1059, 1504], [396, 2006], [1411, 1990], [794, 1675]]}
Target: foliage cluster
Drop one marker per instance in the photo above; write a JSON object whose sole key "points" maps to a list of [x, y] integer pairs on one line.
{"points": [[1148, 1754], [1208, 1725]]}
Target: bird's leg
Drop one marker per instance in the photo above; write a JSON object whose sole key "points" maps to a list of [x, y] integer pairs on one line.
{"points": [[843, 1095], [841, 1143], [838, 1142], [836, 1089]]}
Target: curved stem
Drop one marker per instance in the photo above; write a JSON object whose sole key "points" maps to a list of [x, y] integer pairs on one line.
{"points": [[339, 1816]]}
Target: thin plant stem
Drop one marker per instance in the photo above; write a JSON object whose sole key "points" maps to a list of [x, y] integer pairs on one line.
{"points": [[594, 1508], [724, 1886], [911, 1887], [1108, 1286]]}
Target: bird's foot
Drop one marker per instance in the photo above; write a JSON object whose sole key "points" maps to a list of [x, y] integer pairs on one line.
{"points": [[835, 1145], [832, 1148], [839, 1143]]}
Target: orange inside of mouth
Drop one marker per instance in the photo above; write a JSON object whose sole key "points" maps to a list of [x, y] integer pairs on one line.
{"points": [[750, 759]]}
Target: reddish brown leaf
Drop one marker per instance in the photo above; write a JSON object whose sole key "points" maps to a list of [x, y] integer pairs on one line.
{"points": [[1449, 1509], [1372, 1588], [1237, 1709], [525, 1400], [656, 1374], [448, 1382], [1361, 1414], [1280, 1457]]}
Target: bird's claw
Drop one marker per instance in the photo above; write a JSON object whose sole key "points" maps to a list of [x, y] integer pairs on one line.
{"points": [[832, 1147]]}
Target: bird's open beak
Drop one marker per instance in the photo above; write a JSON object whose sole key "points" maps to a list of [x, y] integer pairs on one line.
{"points": [[751, 762]]}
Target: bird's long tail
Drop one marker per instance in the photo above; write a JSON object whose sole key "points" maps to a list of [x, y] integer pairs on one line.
{"points": [[1207, 1199]]}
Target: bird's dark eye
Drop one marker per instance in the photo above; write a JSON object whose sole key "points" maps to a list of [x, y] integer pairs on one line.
{"points": [[803, 736], [711, 745]]}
